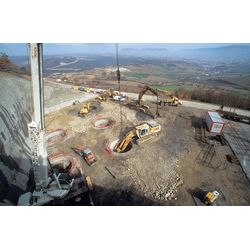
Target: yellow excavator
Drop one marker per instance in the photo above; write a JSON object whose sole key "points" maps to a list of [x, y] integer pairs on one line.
{"points": [[172, 101], [144, 107], [102, 97], [141, 133], [143, 92], [110, 93], [84, 110]]}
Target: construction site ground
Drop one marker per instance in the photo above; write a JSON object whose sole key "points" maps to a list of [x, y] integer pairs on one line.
{"points": [[168, 170]]}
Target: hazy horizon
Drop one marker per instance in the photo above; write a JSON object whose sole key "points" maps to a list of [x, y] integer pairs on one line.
{"points": [[20, 49]]}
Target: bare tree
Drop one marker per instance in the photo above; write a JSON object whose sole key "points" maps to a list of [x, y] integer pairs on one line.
{"points": [[5, 63]]}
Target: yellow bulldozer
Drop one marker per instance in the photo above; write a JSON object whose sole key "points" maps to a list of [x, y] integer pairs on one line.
{"points": [[84, 110], [140, 133]]}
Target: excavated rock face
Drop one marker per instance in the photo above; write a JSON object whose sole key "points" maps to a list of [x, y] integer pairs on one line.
{"points": [[15, 114]]}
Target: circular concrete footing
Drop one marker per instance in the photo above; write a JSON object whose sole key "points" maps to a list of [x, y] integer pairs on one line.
{"points": [[64, 163], [55, 136], [103, 123]]}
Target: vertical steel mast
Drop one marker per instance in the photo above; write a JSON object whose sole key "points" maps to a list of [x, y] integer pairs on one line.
{"points": [[36, 127], [47, 189]]}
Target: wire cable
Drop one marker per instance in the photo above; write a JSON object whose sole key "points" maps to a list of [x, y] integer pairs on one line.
{"points": [[119, 84]]}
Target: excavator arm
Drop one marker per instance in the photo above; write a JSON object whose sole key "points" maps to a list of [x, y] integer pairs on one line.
{"points": [[164, 92], [121, 146], [173, 99], [143, 91]]}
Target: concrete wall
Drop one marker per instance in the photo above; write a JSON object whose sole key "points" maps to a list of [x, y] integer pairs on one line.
{"points": [[15, 113]]}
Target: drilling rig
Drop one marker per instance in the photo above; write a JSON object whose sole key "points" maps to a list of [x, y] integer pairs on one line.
{"points": [[54, 188]]}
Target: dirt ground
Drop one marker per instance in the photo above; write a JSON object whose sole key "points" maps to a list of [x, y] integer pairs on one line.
{"points": [[167, 170]]}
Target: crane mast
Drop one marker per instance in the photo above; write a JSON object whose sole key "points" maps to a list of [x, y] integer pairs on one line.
{"points": [[37, 126], [55, 188]]}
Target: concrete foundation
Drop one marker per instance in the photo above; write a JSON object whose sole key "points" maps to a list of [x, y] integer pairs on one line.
{"points": [[55, 136], [103, 123]]}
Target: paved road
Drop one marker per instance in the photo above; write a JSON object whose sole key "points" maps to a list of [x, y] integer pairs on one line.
{"points": [[58, 96], [191, 104], [69, 102]]}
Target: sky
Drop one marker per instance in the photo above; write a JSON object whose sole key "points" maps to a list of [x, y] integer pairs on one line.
{"points": [[20, 49]]}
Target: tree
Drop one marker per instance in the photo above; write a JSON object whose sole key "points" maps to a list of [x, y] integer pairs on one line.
{"points": [[5, 63]]}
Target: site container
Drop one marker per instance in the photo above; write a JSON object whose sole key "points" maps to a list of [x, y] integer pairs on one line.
{"points": [[214, 122]]}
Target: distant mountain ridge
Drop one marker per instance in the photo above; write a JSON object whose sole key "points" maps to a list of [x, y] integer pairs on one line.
{"points": [[232, 53], [230, 47], [146, 52], [144, 49], [225, 54]]}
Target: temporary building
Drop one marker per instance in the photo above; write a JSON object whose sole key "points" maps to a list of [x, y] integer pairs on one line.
{"points": [[214, 122]]}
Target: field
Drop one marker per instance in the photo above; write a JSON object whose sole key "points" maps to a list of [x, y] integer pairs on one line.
{"points": [[176, 87], [176, 76]]}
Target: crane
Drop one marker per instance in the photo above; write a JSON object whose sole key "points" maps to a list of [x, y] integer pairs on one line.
{"points": [[48, 189]]}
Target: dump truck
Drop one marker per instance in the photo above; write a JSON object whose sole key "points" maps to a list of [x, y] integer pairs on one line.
{"points": [[172, 101], [140, 133], [86, 154]]}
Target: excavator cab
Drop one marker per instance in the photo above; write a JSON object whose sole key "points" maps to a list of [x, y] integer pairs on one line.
{"points": [[142, 130]]}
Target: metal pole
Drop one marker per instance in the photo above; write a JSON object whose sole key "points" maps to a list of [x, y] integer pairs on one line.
{"points": [[40, 163]]}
